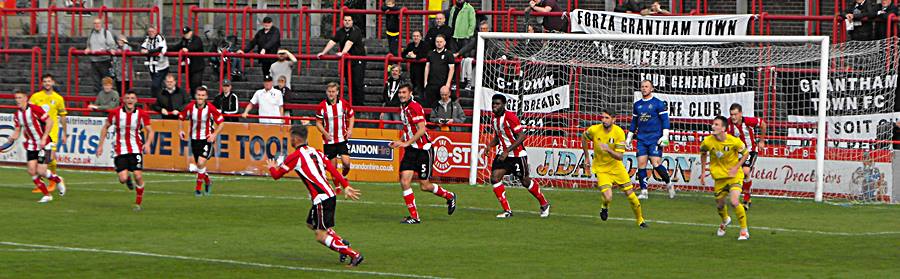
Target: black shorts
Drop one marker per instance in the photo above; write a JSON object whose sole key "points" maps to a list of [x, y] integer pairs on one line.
{"points": [[321, 216], [516, 166], [201, 148], [41, 156], [130, 162], [334, 150], [417, 160], [751, 160]]}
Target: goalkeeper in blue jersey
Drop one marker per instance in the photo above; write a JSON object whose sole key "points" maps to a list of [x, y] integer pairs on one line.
{"points": [[650, 122]]}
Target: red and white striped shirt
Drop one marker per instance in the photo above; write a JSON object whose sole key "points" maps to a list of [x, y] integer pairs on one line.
{"points": [[746, 131], [310, 165], [335, 119], [506, 127], [411, 115], [128, 126], [202, 119], [31, 121]]}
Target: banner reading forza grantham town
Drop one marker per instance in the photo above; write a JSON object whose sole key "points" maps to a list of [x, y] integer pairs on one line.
{"points": [[602, 22]]}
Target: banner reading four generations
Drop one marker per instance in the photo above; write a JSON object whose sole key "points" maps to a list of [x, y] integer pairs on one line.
{"points": [[602, 22]]}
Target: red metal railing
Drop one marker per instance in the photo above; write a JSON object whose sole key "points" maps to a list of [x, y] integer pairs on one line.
{"points": [[36, 66]]}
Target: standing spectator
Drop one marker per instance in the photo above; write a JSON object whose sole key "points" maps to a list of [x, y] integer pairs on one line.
{"points": [[655, 9], [447, 111], [417, 49], [121, 68], [350, 41], [155, 47], [438, 71], [171, 99], [108, 98], [284, 67], [462, 20], [100, 40], [267, 41], [196, 65], [391, 100], [860, 15], [551, 23], [392, 26], [467, 65], [882, 11], [228, 102], [440, 28], [630, 6], [270, 102]]}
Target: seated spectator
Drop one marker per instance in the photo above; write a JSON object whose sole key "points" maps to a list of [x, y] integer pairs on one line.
{"points": [[119, 64], [228, 102], [392, 26], [267, 41], [551, 23], [447, 111], [270, 102], [154, 47], [655, 9], [417, 49], [438, 71], [171, 99], [290, 96], [107, 98], [100, 40], [351, 40], [467, 65], [440, 28], [882, 12], [630, 6], [284, 67], [195, 65], [860, 16], [389, 95], [462, 21]]}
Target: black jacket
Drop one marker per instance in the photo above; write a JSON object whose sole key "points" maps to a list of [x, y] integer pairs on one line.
{"points": [[175, 101], [881, 19], [229, 104], [391, 21], [630, 6], [271, 41], [469, 50], [432, 34], [391, 87], [421, 51], [194, 44], [865, 15]]}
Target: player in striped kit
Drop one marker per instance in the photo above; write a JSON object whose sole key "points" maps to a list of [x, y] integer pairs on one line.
{"points": [[508, 134], [417, 155], [128, 121], [310, 165], [203, 116], [335, 121], [36, 124], [744, 128]]}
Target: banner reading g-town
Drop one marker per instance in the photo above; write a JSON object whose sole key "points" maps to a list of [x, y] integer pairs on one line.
{"points": [[602, 22]]}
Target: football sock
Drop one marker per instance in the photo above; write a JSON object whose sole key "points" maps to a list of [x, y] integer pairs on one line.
{"points": [[535, 191], [53, 177], [741, 215], [40, 184], [440, 192], [338, 246], [746, 189], [642, 178], [140, 194], [636, 207], [500, 192], [410, 200]]}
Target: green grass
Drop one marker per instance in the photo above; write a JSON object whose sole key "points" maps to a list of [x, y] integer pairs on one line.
{"points": [[254, 227]]}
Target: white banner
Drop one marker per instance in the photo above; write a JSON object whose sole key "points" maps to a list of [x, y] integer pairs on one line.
{"points": [[858, 127], [704, 106], [602, 22], [79, 148], [552, 100]]}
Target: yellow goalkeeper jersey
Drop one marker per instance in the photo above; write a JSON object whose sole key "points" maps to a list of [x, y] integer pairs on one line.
{"points": [[724, 155]]}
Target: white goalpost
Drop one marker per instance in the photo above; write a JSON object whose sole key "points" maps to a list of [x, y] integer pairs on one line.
{"points": [[557, 83]]}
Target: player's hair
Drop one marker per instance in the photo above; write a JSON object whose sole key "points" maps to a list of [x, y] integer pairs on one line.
{"points": [[407, 86], [332, 85], [737, 107], [19, 91], [721, 118], [498, 97], [130, 92], [299, 130], [46, 76], [606, 111]]}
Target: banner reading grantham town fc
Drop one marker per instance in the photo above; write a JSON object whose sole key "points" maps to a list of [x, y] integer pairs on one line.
{"points": [[601, 22]]}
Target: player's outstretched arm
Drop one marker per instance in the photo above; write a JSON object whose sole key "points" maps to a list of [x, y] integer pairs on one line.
{"points": [[276, 171]]}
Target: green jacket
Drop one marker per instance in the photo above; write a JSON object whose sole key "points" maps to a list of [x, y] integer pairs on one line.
{"points": [[464, 25]]}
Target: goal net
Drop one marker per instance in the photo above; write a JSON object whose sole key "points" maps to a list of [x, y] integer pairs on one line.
{"points": [[558, 83]]}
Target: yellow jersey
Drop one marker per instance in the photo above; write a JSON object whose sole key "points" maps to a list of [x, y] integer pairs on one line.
{"points": [[724, 155], [614, 138], [54, 105]]}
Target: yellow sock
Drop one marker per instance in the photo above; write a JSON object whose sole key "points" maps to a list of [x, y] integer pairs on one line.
{"points": [[603, 200], [741, 215], [723, 212], [636, 207]]}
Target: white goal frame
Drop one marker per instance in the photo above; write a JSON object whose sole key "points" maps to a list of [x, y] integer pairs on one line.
{"points": [[823, 42]]}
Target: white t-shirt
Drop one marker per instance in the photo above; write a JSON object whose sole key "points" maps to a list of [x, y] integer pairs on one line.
{"points": [[269, 104]]}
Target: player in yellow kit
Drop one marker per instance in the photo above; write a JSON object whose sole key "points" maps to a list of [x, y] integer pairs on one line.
{"points": [[609, 148], [52, 103], [726, 156]]}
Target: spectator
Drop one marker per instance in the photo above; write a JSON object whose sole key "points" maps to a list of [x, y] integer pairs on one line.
{"points": [[391, 100], [860, 15], [447, 111], [270, 102], [439, 28], [267, 40], [468, 50], [284, 67], [171, 99], [391, 25], [196, 65], [462, 20], [119, 64], [882, 12], [630, 6], [155, 47], [416, 49], [108, 98], [100, 40], [350, 41], [551, 23], [655, 9], [439, 71], [467, 65], [228, 102]]}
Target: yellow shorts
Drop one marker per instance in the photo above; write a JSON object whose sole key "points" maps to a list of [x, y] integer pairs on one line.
{"points": [[618, 177], [726, 185]]}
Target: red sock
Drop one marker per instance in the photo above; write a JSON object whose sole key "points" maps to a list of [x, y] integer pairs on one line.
{"points": [[140, 195], [410, 200], [500, 192], [746, 189], [199, 181], [339, 247], [440, 192], [53, 177], [40, 184], [535, 191], [334, 234], [205, 178]]}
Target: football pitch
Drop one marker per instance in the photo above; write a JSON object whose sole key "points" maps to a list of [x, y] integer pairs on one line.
{"points": [[255, 227]]}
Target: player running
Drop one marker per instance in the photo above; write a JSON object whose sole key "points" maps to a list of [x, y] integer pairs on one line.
{"points": [[128, 121], [36, 124], [609, 148], [508, 133], [53, 104], [744, 128], [202, 115], [335, 121], [650, 121], [310, 165], [727, 153], [417, 156]]}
